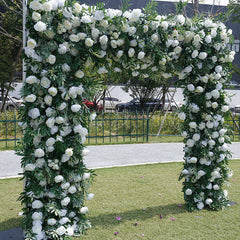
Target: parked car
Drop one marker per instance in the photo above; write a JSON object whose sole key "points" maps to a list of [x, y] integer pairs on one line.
{"points": [[135, 105], [110, 103], [11, 103], [93, 105], [150, 105]]}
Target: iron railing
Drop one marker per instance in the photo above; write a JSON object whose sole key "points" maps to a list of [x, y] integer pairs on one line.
{"points": [[115, 127]]}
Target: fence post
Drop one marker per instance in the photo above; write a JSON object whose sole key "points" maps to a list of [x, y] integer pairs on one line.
{"points": [[6, 128], [147, 125]]}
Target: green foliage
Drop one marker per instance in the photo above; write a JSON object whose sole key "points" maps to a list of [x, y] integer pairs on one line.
{"points": [[10, 45]]}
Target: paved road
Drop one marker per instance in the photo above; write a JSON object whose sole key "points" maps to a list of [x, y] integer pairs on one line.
{"points": [[114, 155]]}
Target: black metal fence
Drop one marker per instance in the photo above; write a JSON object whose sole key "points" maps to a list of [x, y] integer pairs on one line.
{"points": [[117, 127]]}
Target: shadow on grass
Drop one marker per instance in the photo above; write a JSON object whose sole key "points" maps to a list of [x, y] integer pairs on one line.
{"points": [[138, 214], [10, 223]]}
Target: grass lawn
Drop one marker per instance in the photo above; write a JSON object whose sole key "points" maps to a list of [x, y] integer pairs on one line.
{"points": [[139, 195]]}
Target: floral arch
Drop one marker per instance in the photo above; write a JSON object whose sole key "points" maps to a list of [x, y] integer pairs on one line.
{"points": [[62, 39]]}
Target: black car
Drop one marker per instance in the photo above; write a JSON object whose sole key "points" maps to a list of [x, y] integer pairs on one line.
{"points": [[135, 105]]}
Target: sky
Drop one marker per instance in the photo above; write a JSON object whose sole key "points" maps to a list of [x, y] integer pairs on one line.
{"points": [[207, 2]]}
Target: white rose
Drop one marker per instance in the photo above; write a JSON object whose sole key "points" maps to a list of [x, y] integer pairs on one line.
{"points": [[190, 143], [184, 134], [131, 52], [66, 67], [196, 137], [40, 26], [39, 153], [200, 205], [103, 40], [31, 80], [45, 82], [30, 167], [47, 6], [30, 98], [215, 93], [72, 189], [217, 76], [182, 116], [36, 16], [86, 19], [141, 55], [225, 108], [50, 122], [204, 79], [208, 39], [190, 87], [65, 201], [86, 176], [209, 124], [199, 89], [119, 54], [216, 187], [214, 105], [89, 42], [69, 152], [51, 141], [35, 5], [65, 185], [53, 91], [61, 230], [154, 38], [77, 8], [193, 160], [113, 43], [164, 25], [75, 107], [181, 19], [72, 92], [145, 28], [211, 142], [31, 43], [51, 59], [65, 158], [202, 55], [34, 113], [58, 178], [79, 74], [74, 38], [95, 33], [99, 15], [48, 100], [188, 191], [37, 204], [62, 106], [201, 126], [51, 221], [201, 173], [82, 36], [192, 125], [218, 69], [37, 216], [208, 201], [84, 210]]}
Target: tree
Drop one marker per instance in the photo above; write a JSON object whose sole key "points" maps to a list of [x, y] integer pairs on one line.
{"points": [[10, 44]]}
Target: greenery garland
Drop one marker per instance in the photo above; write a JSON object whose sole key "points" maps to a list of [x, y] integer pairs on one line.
{"points": [[64, 38]]}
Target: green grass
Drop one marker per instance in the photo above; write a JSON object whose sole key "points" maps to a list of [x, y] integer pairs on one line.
{"points": [[140, 194]]}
